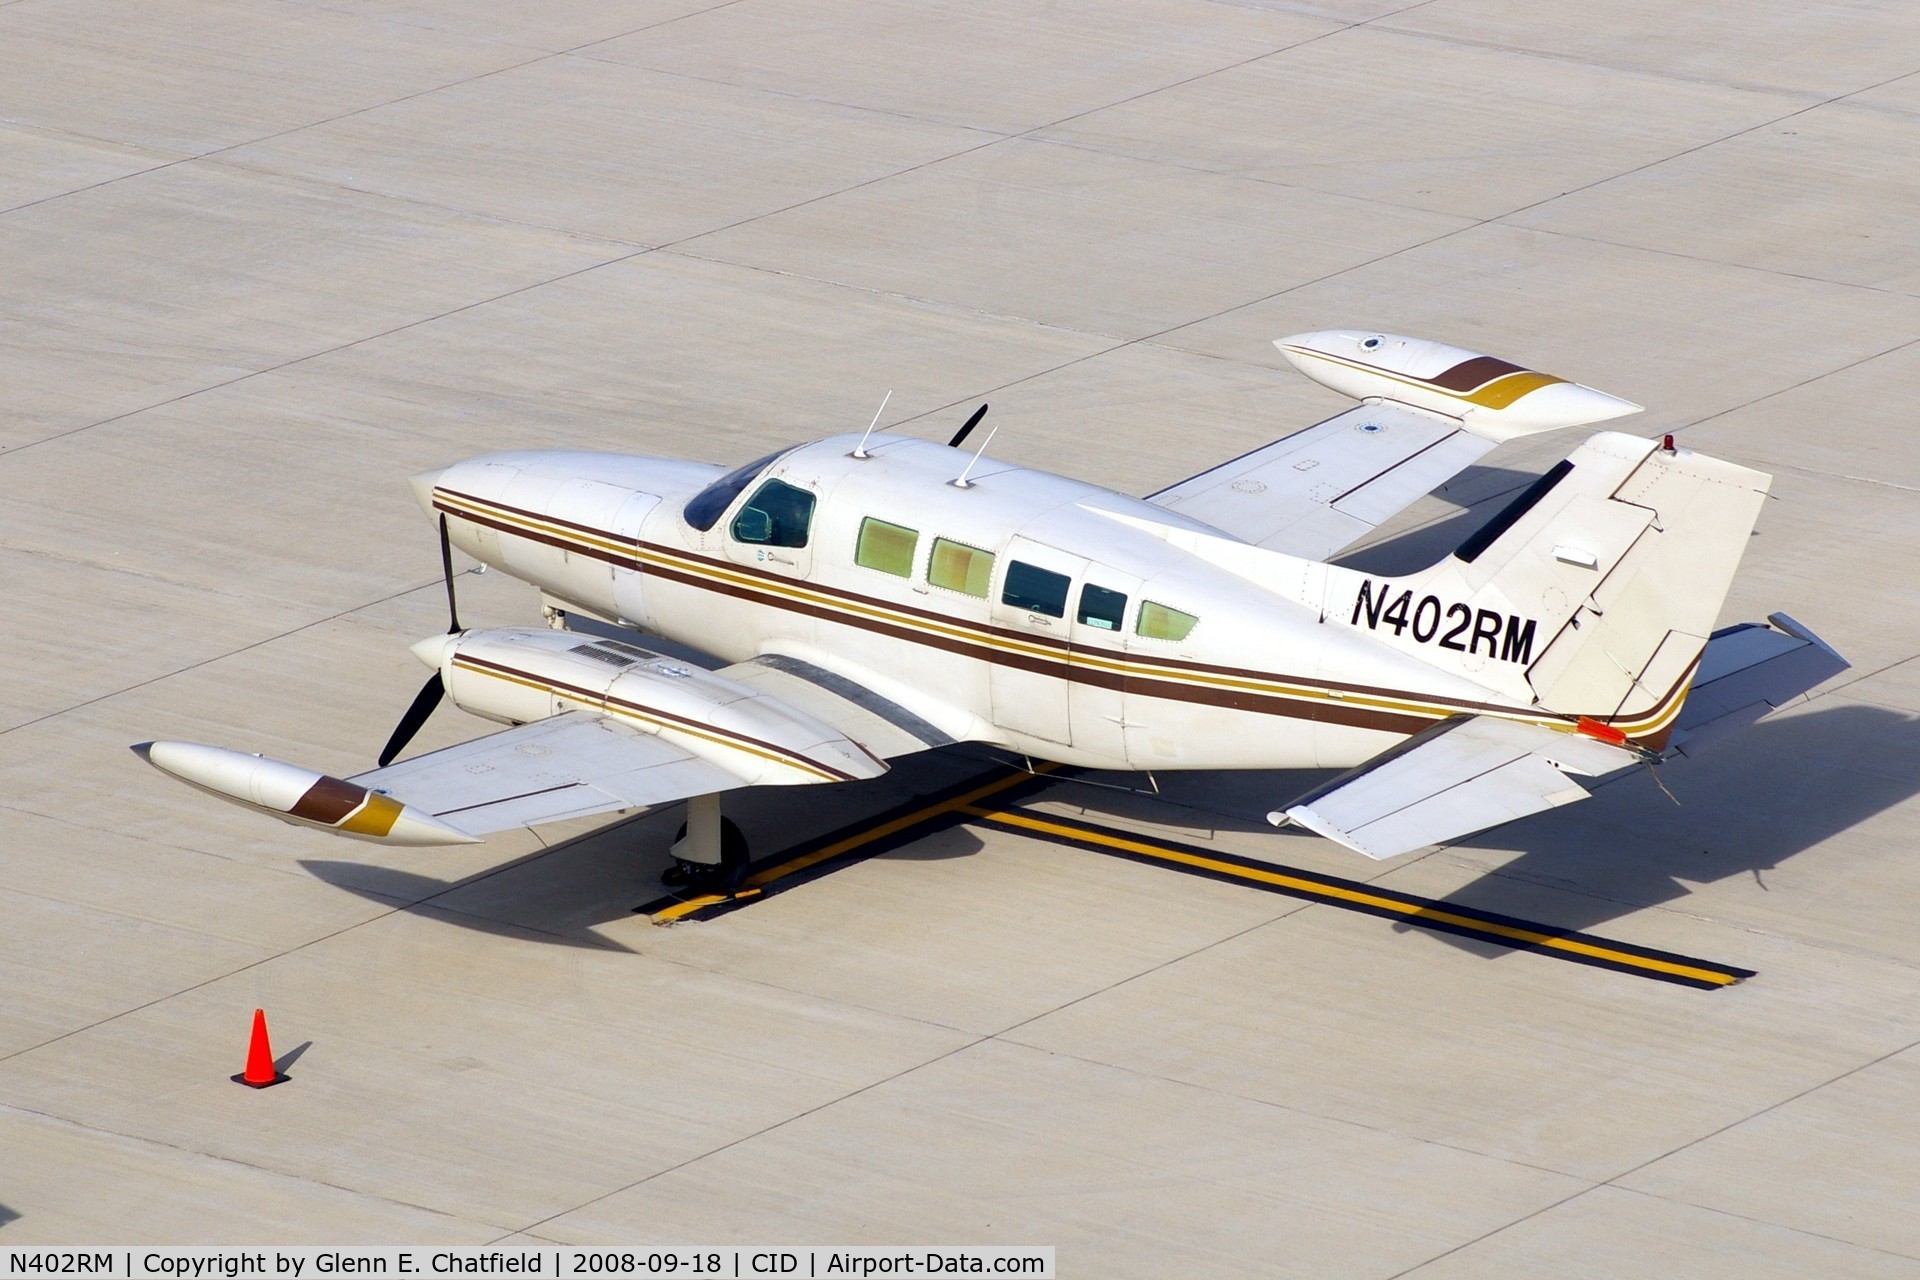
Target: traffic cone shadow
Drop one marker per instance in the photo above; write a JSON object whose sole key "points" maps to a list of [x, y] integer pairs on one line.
{"points": [[261, 1072]]}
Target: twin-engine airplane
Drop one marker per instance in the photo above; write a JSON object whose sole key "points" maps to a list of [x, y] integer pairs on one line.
{"points": [[879, 595]]}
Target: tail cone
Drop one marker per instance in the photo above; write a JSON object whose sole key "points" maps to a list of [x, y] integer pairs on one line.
{"points": [[260, 1072]]}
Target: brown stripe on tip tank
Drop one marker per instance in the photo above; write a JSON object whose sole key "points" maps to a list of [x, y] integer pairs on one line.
{"points": [[1477, 372], [328, 800]]}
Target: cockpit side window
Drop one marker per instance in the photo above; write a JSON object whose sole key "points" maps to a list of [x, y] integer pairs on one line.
{"points": [[778, 515], [705, 508], [1035, 589]]}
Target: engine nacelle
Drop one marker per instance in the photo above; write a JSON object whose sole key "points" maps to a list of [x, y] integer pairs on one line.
{"points": [[517, 675], [1493, 398]]}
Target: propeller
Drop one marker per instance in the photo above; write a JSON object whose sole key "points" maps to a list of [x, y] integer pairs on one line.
{"points": [[961, 434], [446, 574], [423, 704], [435, 688]]}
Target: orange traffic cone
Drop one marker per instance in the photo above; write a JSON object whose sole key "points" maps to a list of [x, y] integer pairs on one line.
{"points": [[260, 1072]]}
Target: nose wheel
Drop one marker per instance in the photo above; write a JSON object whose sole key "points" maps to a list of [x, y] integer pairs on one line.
{"points": [[709, 852]]}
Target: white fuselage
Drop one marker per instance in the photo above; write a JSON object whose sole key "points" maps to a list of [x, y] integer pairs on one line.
{"points": [[1089, 638]]}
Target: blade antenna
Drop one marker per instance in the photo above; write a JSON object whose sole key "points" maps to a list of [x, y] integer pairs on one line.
{"points": [[963, 482], [961, 434], [446, 572], [860, 450]]}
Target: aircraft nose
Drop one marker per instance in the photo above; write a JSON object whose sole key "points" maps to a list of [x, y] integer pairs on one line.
{"points": [[423, 487], [434, 649]]}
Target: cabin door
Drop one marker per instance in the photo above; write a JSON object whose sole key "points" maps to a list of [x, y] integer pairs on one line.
{"points": [[629, 590], [1033, 593]]}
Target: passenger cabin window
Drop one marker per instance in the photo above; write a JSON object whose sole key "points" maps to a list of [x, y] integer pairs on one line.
{"points": [[777, 516], [705, 508], [1102, 608], [886, 547], [1035, 589], [958, 567], [1158, 622]]}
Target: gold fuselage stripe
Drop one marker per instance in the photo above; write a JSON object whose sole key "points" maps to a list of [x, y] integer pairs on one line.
{"points": [[640, 554]]}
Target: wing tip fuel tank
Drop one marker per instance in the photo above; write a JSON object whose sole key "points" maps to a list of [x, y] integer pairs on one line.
{"points": [[1494, 398], [299, 796]]}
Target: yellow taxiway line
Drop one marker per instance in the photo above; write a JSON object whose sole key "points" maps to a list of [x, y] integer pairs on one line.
{"points": [[968, 805], [1413, 910]]}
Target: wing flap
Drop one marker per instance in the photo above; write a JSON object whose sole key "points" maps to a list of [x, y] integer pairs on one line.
{"points": [[880, 725], [1461, 776], [1318, 490], [570, 766]]}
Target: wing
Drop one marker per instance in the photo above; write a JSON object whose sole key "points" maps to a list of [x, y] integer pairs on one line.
{"points": [[1463, 775], [579, 763], [1431, 410], [570, 766], [1321, 489]]}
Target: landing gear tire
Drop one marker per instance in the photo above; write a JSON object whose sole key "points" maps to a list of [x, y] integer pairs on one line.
{"points": [[703, 877]]}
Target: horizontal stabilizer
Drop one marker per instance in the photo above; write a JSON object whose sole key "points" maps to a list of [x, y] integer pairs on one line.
{"points": [[1463, 775], [1748, 672]]}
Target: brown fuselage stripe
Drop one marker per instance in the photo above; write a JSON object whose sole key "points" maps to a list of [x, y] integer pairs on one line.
{"points": [[872, 602], [587, 695], [1331, 712]]}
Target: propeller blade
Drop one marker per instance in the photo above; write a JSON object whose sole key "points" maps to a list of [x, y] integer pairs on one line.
{"points": [[423, 704], [954, 443], [446, 571]]}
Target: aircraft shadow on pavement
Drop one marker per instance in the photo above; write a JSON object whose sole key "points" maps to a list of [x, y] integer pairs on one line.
{"points": [[558, 895], [7, 1215], [565, 893], [1746, 805]]}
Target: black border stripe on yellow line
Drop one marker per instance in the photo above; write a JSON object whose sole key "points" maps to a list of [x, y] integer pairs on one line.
{"points": [[1355, 895], [869, 838], [967, 802]]}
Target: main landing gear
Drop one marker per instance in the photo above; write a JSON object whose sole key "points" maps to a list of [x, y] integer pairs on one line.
{"points": [[709, 853]]}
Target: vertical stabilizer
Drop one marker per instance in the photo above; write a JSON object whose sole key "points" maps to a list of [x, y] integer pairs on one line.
{"points": [[1592, 594]]}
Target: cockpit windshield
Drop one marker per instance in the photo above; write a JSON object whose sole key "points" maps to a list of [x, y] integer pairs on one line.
{"points": [[705, 508]]}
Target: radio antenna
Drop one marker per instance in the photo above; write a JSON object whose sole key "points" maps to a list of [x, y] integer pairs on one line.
{"points": [[860, 450], [963, 482]]}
